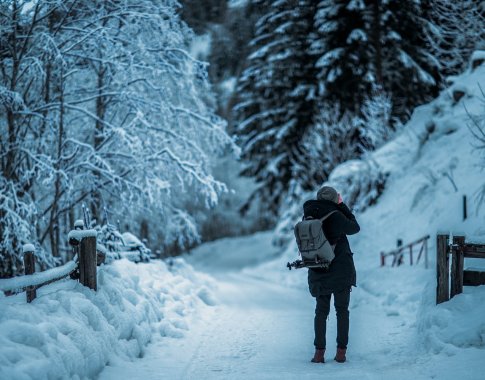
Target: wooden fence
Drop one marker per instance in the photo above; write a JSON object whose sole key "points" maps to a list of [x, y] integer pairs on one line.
{"points": [[459, 250], [401, 250], [83, 266]]}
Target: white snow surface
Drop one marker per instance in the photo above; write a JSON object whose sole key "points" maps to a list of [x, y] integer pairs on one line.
{"points": [[28, 248], [478, 54], [237, 3], [200, 46], [262, 326], [72, 332], [81, 234]]}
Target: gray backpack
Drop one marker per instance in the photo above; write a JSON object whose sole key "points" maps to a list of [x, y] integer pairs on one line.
{"points": [[315, 249]]}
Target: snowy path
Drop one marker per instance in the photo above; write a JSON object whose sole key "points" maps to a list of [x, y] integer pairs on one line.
{"points": [[263, 330]]}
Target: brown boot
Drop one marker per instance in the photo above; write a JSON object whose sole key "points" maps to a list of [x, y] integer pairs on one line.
{"points": [[340, 355], [318, 357]]}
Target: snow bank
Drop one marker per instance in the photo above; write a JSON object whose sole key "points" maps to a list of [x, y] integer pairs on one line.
{"points": [[458, 323], [70, 331]]}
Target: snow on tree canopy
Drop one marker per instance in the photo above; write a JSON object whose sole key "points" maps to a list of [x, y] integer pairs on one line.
{"points": [[478, 55], [115, 114]]}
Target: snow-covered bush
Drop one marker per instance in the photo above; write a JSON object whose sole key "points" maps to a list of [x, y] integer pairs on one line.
{"points": [[360, 182], [376, 120], [332, 140], [292, 211]]}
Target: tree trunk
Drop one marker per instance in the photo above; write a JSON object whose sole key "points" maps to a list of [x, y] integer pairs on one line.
{"points": [[11, 156], [96, 208]]}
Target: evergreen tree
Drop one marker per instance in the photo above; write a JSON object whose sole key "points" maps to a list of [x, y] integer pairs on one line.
{"points": [[200, 14], [342, 45], [410, 72], [455, 30], [369, 45], [277, 99]]}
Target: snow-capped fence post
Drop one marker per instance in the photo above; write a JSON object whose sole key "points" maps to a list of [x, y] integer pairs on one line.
{"points": [[457, 262], [400, 257], [442, 269], [88, 262], [29, 268], [86, 239], [464, 208]]}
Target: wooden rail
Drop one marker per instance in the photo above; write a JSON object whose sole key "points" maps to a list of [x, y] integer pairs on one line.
{"points": [[459, 250], [398, 253], [86, 265]]}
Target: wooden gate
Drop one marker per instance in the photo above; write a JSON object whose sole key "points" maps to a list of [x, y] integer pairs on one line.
{"points": [[459, 250]]}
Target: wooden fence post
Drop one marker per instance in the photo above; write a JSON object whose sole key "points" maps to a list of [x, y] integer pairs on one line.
{"points": [[457, 266], [442, 269], [464, 208], [29, 267], [87, 262]]}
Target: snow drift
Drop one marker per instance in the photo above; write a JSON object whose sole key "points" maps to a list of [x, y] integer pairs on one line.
{"points": [[70, 331]]}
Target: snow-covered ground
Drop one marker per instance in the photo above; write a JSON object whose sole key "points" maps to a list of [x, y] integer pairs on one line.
{"points": [[262, 328]]}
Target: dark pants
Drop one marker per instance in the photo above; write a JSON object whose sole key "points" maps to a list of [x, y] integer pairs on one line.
{"points": [[341, 301]]}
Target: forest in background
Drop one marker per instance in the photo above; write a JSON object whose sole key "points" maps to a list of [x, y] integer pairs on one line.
{"points": [[322, 82], [103, 105]]}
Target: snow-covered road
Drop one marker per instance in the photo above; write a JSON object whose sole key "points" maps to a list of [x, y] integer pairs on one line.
{"points": [[263, 329]]}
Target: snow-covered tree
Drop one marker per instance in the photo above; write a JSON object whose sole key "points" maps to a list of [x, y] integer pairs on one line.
{"points": [[342, 48], [277, 99], [366, 43], [331, 140], [401, 55], [454, 31], [26, 126], [477, 128], [376, 120], [103, 105]]}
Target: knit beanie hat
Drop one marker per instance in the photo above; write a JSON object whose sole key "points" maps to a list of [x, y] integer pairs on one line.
{"points": [[327, 193]]}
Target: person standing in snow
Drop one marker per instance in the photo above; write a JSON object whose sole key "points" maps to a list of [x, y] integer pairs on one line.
{"points": [[339, 278]]}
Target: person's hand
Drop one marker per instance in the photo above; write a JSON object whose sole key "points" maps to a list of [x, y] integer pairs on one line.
{"points": [[340, 200]]}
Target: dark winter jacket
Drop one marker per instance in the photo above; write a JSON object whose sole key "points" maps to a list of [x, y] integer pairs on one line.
{"points": [[341, 273]]}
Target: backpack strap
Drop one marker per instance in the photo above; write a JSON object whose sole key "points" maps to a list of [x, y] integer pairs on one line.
{"points": [[326, 216]]}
